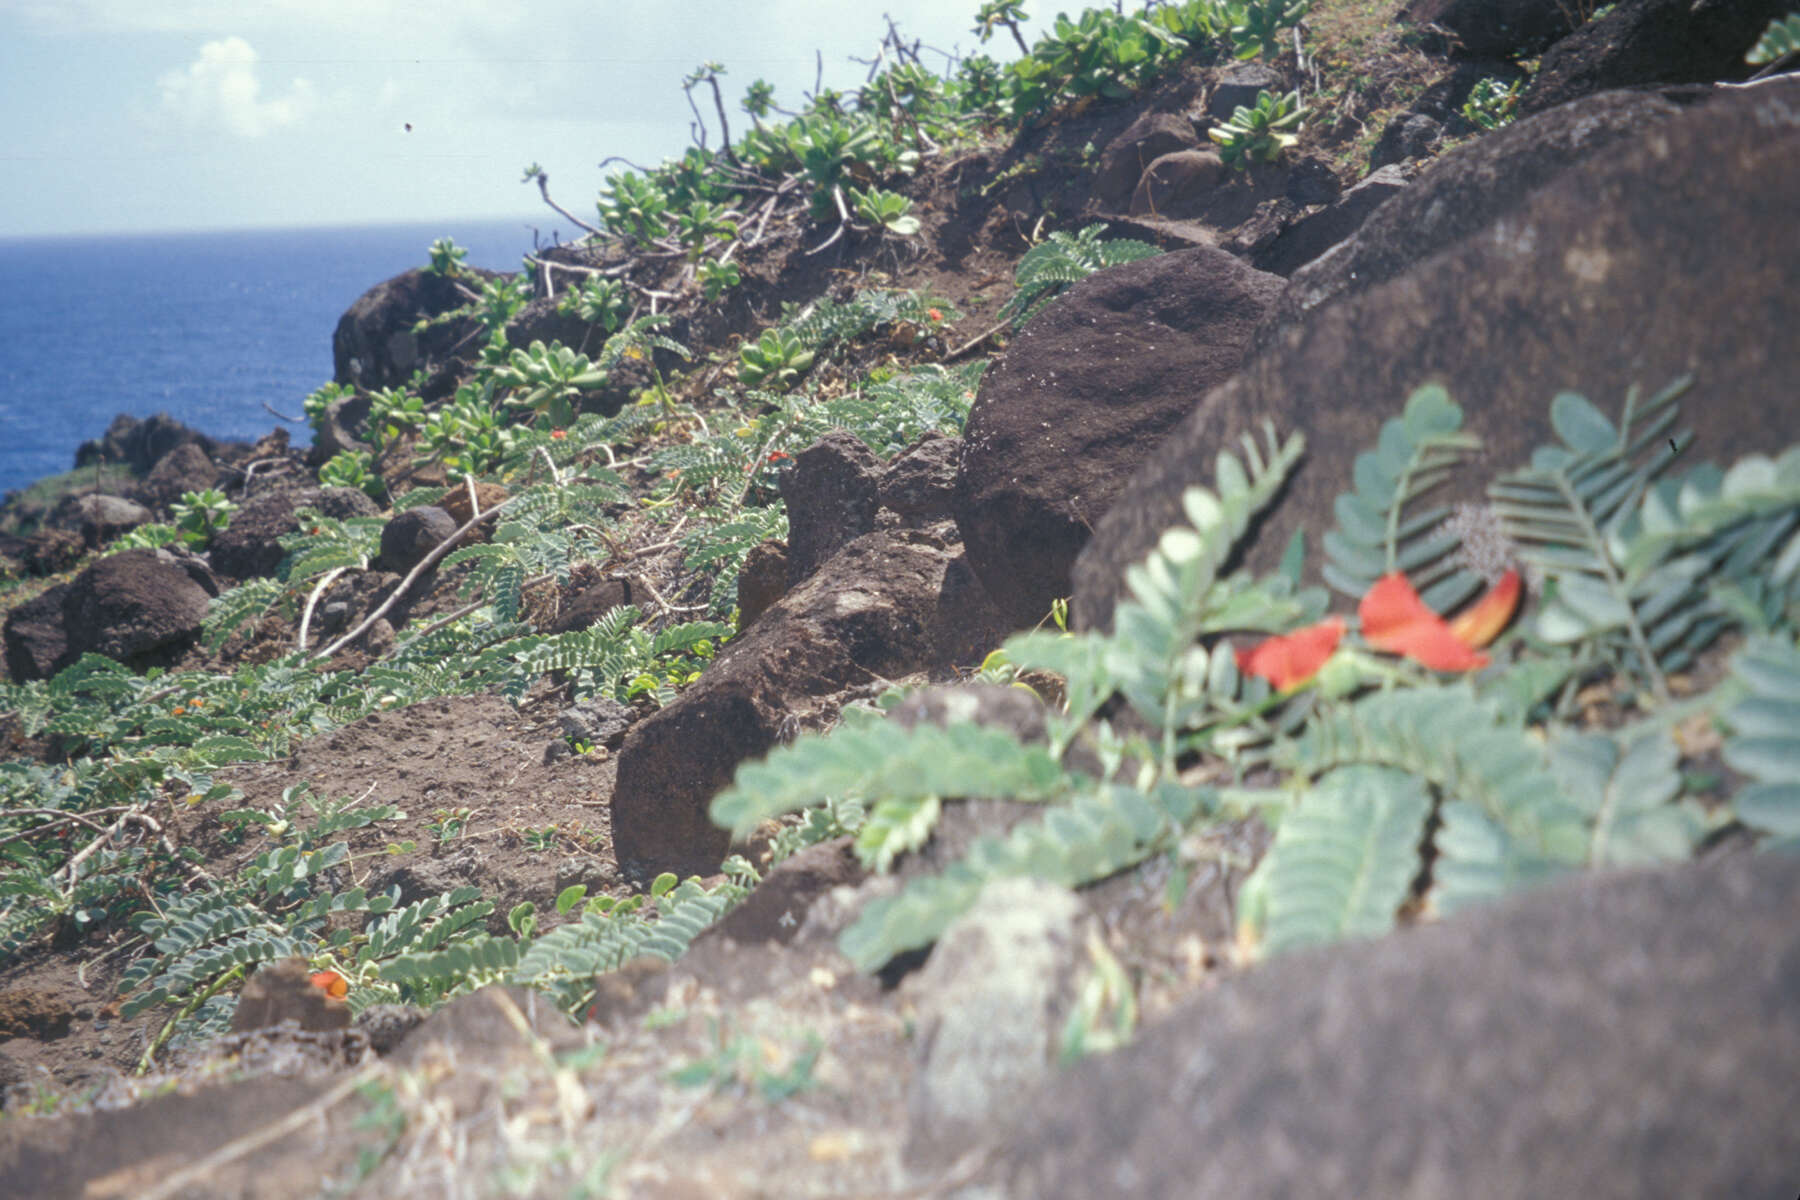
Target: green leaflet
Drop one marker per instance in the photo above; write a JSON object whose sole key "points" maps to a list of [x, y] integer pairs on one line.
{"points": [[1765, 742], [1629, 796], [605, 937], [1092, 836], [1568, 513], [1343, 858], [884, 760], [1377, 529], [245, 603], [1505, 819]]}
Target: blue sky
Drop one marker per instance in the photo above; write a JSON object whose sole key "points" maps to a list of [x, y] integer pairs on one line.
{"points": [[142, 115]]}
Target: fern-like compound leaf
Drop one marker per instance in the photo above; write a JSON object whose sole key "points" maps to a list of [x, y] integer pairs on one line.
{"points": [[1780, 39], [1566, 510], [1629, 795], [1505, 820], [1765, 741], [1096, 834], [884, 759], [1378, 530], [1344, 858], [1062, 259], [230, 611]]}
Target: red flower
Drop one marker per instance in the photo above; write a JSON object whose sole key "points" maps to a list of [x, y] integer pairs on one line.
{"points": [[777, 456], [1289, 660], [557, 435], [934, 314], [1395, 620]]}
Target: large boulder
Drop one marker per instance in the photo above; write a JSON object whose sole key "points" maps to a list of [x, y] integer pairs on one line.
{"points": [[251, 545], [375, 345], [1617, 273], [1652, 41], [141, 607], [187, 468], [1142, 142], [832, 490], [1462, 193], [96, 517], [1617, 1036], [140, 444], [410, 537], [1312, 235], [1087, 387], [1497, 28], [887, 604]]}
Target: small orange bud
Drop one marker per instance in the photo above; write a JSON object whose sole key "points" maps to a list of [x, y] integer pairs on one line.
{"points": [[331, 983]]}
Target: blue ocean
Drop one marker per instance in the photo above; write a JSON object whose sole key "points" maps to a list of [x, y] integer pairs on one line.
{"points": [[207, 327]]}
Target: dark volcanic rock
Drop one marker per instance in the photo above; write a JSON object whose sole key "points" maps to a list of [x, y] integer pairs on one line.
{"points": [[51, 550], [599, 722], [187, 468], [251, 545], [919, 485], [98, 518], [411, 536], [762, 580], [37, 645], [1144, 141], [1461, 194], [832, 489], [141, 444], [1311, 236], [1612, 275], [887, 604], [134, 603], [1652, 41], [140, 607], [1497, 28], [777, 908], [1615, 1036], [1409, 135], [1237, 87], [374, 345], [1084, 392]]}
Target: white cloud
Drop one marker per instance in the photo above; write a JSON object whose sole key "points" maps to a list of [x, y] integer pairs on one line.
{"points": [[220, 90]]}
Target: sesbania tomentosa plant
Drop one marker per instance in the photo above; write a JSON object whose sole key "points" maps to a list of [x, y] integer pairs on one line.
{"points": [[1400, 789]]}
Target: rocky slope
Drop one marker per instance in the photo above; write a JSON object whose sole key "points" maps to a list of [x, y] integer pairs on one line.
{"points": [[1614, 1033]]}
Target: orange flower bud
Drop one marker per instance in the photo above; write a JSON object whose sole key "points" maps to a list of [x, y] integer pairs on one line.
{"points": [[331, 983]]}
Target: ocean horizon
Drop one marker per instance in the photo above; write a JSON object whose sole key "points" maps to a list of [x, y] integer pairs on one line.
{"points": [[206, 326]]}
